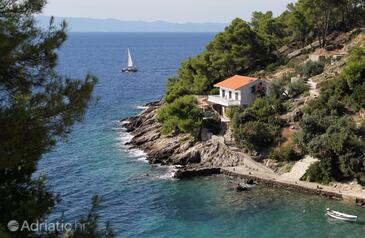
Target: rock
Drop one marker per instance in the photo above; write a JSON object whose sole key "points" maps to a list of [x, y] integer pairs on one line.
{"points": [[295, 115], [272, 164], [193, 172], [179, 149], [240, 188], [161, 152], [192, 157], [331, 47], [250, 182]]}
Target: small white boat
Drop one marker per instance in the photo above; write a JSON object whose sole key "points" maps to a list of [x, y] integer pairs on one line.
{"points": [[130, 67], [340, 215]]}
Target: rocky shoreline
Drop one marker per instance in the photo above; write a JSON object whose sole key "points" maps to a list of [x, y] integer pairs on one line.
{"points": [[180, 149], [213, 156]]}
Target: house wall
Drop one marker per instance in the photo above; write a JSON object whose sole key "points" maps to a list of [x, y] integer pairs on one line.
{"points": [[227, 90], [248, 96]]}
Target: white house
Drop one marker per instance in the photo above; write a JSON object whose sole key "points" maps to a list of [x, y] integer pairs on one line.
{"points": [[236, 91]]}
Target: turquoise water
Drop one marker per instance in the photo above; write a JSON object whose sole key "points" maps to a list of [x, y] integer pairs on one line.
{"points": [[93, 160]]}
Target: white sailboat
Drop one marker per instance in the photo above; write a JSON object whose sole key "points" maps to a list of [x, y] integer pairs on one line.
{"points": [[130, 67]]}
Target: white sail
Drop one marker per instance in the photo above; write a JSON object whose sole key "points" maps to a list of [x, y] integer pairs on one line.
{"points": [[130, 62]]}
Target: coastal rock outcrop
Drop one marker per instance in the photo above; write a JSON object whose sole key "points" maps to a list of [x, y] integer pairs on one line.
{"points": [[179, 149]]}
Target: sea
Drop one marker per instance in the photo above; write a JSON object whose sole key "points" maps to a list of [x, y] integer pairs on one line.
{"points": [[93, 159]]}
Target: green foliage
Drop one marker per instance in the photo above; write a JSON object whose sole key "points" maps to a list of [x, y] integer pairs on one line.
{"points": [[285, 153], [182, 115], [174, 90], [237, 50], [297, 25], [310, 19], [257, 127], [319, 172], [282, 89], [297, 88], [357, 98], [256, 135], [37, 106], [329, 133], [354, 72], [270, 28], [230, 111], [277, 89], [311, 68]]}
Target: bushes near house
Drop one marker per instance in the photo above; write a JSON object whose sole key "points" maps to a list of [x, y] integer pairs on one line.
{"points": [[297, 88], [277, 89], [230, 111], [256, 135], [285, 154], [311, 68], [182, 115], [257, 127]]}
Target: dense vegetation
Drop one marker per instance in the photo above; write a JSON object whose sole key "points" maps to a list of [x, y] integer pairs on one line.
{"points": [[247, 47], [181, 115], [329, 131], [36, 106], [258, 126]]}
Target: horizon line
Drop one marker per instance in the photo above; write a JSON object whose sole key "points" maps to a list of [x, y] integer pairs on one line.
{"points": [[144, 21]]}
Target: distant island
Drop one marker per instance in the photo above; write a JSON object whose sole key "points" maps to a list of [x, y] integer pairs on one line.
{"points": [[114, 25]]}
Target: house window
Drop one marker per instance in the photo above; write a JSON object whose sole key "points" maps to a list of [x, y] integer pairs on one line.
{"points": [[223, 93], [230, 94], [236, 96]]}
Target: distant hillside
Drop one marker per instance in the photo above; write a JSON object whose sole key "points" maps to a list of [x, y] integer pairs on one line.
{"points": [[113, 25]]}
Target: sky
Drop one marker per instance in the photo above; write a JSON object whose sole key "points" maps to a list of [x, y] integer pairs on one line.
{"points": [[179, 11]]}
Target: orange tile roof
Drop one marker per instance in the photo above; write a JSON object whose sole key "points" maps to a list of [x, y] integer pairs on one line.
{"points": [[235, 82]]}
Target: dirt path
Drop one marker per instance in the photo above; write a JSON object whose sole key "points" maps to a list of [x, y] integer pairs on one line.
{"points": [[299, 168], [313, 91]]}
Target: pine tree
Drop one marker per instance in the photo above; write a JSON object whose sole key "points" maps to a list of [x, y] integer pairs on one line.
{"points": [[37, 105]]}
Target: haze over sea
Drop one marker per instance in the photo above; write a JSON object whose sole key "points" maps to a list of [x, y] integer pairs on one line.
{"points": [[94, 161]]}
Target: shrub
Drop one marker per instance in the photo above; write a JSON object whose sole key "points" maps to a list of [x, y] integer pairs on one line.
{"points": [[182, 115], [318, 172], [214, 91], [256, 135], [271, 68], [354, 72], [276, 89], [358, 97], [285, 153], [174, 90], [231, 111], [312, 68], [297, 88]]}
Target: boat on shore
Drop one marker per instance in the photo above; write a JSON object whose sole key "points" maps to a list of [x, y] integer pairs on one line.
{"points": [[340, 215], [130, 66]]}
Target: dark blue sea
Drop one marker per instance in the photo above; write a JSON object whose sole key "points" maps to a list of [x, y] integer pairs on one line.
{"points": [[93, 159]]}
